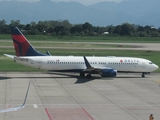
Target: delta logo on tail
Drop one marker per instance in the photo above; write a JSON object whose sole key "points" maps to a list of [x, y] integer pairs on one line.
{"points": [[18, 45], [21, 44]]}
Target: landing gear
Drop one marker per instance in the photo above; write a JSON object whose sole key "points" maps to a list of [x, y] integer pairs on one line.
{"points": [[89, 75], [82, 74], [143, 75]]}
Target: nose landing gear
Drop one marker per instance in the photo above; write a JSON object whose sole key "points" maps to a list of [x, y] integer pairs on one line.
{"points": [[143, 75]]}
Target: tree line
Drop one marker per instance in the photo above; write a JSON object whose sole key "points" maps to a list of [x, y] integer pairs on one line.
{"points": [[64, 27]]}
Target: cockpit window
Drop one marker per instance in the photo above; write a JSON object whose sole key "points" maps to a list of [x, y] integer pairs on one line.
{"points": [[150, 63]]}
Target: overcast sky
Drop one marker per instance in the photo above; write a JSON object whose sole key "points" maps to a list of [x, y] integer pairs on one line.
{"points": [[85, 2]]}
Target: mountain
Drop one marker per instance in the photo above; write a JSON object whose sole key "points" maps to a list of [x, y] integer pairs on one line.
{"points": [[139, 12]]}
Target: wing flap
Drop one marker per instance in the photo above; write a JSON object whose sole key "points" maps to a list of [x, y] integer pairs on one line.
{"points": [[91, 69]]}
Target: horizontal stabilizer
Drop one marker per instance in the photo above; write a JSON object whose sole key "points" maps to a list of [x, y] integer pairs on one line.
{"points": [[10, 56]]}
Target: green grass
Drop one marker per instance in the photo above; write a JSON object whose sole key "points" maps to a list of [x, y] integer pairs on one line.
{"points": [[10, 66], [5, 36], [87, 38]]}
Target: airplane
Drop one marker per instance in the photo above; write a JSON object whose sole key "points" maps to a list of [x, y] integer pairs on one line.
{"points": [[107, 66], [19, 107]]}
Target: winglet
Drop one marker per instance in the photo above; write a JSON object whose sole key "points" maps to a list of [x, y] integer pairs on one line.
{"points": [[48, 53], [87, 63], [20, 107]]}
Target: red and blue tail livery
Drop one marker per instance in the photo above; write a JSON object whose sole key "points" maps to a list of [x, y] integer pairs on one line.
{"points": [[22, 45]]}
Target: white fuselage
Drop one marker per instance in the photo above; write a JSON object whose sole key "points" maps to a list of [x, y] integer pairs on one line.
{"points": [[77, 64]]}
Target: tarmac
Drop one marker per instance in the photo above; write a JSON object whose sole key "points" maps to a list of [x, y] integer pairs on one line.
{"points": [[69, 97]]}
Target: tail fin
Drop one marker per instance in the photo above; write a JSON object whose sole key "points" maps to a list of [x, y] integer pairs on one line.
{"points": [[22, 45]]}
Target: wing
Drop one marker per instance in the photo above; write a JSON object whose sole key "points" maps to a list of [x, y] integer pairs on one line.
{"points": [[103, 71], [19, 107], [90, 68]]}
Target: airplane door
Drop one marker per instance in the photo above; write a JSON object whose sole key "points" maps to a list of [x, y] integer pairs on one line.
{"points": [[143, 65], [39, 64]]}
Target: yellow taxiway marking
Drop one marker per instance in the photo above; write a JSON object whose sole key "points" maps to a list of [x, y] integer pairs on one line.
{"points": [[157, 81]]}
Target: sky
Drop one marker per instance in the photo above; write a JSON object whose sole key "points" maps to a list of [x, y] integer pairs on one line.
{"points": [[84, 2]]}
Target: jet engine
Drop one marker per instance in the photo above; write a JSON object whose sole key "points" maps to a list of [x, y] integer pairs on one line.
{"points": [[108, 73]]}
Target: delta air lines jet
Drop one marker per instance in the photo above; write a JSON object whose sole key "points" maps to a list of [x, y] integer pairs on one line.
{"points": [[27, 55]]}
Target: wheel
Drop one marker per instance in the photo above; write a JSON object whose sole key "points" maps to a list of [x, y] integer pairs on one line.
{"points": [[82, 74], [89, 76], [143, 75]]}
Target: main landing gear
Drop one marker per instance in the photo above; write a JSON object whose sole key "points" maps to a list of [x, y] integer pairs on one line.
{"points": [[89, 75], [143, 75], [83, 75]]}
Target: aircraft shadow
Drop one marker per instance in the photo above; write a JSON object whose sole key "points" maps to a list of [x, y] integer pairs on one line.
{"points": [[82, 79], [79, 80], [4, 78], [18, 77]]}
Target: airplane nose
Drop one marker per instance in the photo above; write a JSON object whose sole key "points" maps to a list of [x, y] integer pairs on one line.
{"points": [[155, 67]]}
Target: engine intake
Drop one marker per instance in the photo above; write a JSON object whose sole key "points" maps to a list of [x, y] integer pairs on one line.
{"points": [[108, 73]]}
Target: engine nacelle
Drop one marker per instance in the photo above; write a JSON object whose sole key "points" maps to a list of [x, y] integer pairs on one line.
{"points": [[108, 73]]}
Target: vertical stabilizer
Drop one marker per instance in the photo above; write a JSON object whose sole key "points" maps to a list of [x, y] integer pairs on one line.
{"points": [[22, 45]]}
